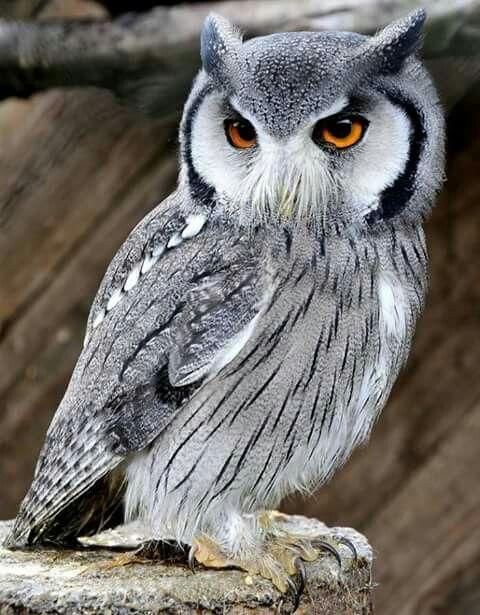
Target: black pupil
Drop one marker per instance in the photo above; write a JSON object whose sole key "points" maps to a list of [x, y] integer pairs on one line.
{"points": [[340, 128], [245, 130]]}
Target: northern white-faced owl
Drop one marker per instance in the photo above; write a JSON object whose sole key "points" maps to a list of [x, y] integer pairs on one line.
{"points": [[251, 327]]}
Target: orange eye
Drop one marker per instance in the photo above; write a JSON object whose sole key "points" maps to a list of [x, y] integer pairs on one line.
{"points": [[342, 132], [240, 133]]}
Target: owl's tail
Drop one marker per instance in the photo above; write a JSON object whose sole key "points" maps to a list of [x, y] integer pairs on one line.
{"points": [[74, 460], [97, 508]]}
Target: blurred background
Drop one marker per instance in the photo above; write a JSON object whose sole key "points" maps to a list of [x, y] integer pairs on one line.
{"points": [[91, 94]]}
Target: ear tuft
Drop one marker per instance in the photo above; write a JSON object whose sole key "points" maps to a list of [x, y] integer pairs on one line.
{"points": [[219, 44], [397, 41]]}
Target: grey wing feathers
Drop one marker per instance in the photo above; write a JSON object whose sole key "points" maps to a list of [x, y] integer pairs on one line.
{"points": [[60, 478], [219, 309], [184, 311], [84, 443]]}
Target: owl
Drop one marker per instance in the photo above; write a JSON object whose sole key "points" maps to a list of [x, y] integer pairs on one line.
{"points": [[250, 329]]}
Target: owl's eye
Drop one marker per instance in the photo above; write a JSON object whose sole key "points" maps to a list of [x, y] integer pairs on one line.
{"points": [[240, 133], [340, 131]]}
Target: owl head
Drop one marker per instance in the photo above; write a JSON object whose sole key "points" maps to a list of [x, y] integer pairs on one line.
{"points": [[327, 129]]}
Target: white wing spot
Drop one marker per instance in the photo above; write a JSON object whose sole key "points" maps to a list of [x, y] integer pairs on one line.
{"points": [[174, 241], [114, 299], [148, 263], [195, 223], [98, 318], [132, 278]]}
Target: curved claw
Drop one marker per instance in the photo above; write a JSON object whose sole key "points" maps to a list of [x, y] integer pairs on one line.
{"points": [[348, 543], [328, 547], [191, 558], [296, 593], [302, 575]]}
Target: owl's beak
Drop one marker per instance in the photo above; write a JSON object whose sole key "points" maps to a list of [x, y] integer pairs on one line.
{"points": [[287, 200], [288, 185]]}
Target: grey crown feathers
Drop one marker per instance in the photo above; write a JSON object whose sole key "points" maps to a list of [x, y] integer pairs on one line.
{"points": [[251, 327]]}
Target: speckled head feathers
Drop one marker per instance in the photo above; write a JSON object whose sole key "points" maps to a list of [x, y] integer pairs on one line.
{"points": [[291, 69], [284, 86], [389, 49]]}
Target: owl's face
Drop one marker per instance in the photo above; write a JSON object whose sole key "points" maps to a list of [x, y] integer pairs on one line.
{"points": [[327, 129]]}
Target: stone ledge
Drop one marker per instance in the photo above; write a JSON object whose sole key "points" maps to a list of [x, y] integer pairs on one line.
{"points": [[48, 581]]}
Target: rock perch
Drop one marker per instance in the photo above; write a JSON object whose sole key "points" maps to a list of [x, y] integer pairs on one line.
{"points": [[62, 581]]}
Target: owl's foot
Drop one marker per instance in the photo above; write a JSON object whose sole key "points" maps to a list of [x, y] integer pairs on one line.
{"points": [[274, 551]]}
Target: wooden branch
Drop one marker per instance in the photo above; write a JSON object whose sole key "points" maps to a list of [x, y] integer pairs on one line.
{"points": [[83, 581], [149, 59]]}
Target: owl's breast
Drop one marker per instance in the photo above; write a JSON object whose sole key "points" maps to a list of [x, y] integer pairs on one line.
{"points": [[300, 387]]}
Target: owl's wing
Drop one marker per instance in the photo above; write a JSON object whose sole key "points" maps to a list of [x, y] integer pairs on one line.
{"points": [[187, 308], [219, 317]]}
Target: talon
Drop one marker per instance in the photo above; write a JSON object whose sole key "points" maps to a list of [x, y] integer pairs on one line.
{"points": [[302, 575], [191, 558], [296, 592], [348, 543], [328, 547]]}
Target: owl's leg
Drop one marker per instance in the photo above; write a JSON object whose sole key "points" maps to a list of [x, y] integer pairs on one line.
{"points": [[270, 545]]}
